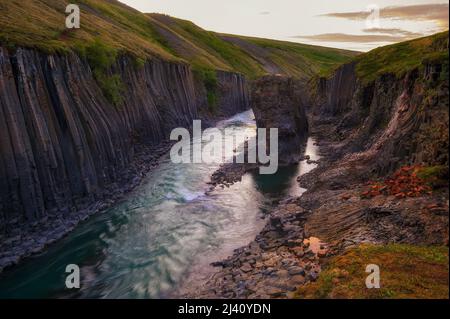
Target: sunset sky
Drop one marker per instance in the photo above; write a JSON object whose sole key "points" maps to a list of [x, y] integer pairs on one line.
{"points": [[332, 23]]}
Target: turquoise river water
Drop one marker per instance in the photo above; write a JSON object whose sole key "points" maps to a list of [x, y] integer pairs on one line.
{"points": [[163, 234]]}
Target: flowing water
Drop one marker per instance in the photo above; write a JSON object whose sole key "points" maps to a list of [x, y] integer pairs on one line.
{"points": [[148, 244]]}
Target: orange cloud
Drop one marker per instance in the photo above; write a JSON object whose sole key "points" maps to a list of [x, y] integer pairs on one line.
{"points": [[394, 31], [437, 12], [357, 38]]}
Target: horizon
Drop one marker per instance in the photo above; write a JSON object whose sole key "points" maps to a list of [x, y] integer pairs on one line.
{"points": [[338, 25]]}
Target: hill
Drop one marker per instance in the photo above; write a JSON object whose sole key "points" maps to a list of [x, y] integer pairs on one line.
{"points": [[405, 56], [40, 24]]}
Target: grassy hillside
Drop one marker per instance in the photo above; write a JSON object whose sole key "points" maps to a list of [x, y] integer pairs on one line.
{"points": [[252, 56], [290, 58], [202, 48], [40, 24], [402, 57], [405, 272]]}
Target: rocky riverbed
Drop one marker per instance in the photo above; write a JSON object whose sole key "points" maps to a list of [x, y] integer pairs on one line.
{"points": [[271, 266]]}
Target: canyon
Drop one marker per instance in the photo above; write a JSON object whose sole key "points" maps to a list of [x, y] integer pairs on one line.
{"points": [[85, 122], [66, 149], [367, 130]]}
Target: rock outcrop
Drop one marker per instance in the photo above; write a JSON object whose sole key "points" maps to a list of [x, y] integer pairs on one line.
{"points": [[65, 149], [278, 102], [335, 93], [233, 93], [390, 121], [369, 129]]}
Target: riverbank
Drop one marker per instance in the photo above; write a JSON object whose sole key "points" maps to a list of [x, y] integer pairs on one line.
{"points": [[333, 213], [37, 237], [272, 266], [279, 259]]}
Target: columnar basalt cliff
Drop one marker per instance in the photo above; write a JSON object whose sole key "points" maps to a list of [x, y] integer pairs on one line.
{"points": [[390, 121], [337, 92], [65, 149], [393, 122], [278, 102], [231, 87]]}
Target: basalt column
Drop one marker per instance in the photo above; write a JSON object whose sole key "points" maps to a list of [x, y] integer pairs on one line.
{"points": [[277, 102]]}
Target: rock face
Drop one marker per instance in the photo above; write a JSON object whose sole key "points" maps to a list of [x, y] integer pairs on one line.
{"points": [[233, 93], [337, 91], [390, 121], [64, 147], [367, 131], [278, 102]]}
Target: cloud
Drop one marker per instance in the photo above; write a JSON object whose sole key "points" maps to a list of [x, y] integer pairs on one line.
{"points": [[395, 31], [355, 38], [437, 12]]}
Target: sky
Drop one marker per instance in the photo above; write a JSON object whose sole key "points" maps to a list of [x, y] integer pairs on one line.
{"points": [[346, 24]]}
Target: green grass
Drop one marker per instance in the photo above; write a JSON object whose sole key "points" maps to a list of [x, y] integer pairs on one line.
{"points": [[402, 57], [219, 51], [406, 271], [436, 176], [101, 59], [40, 24], [297, 59], [209, 79], [231, 55]]}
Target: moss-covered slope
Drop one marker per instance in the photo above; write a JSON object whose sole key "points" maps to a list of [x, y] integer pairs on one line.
{"points": [[40, 24], [402, 57]]}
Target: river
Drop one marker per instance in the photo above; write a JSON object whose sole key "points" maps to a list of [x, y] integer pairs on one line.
{"points": [[163, 233]]}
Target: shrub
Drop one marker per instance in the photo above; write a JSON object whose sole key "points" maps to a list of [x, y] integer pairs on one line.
{"points": [[111, 86], [101, 58], [435, 176], [209, 79], [138, 63]]}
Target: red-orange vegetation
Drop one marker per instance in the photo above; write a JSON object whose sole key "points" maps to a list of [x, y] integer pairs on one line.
{"points": [[403, 183]]}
